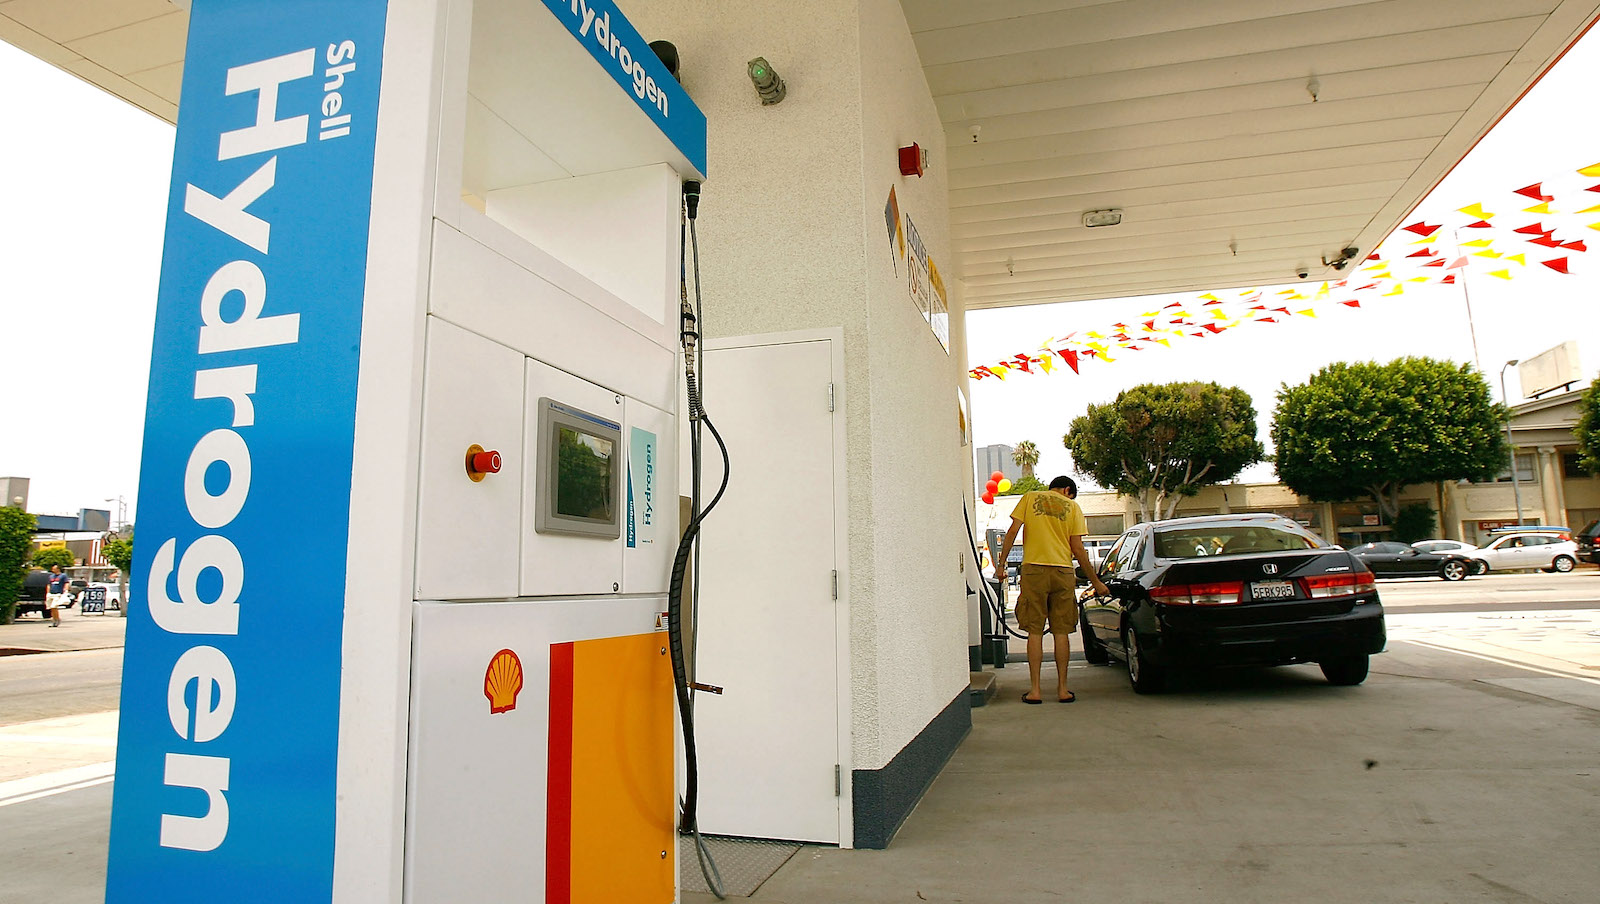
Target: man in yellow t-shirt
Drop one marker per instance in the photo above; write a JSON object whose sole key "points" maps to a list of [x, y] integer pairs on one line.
{"points": [[1052, 526]]}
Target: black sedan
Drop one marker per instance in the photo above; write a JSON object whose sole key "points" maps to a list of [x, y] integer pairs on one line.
{"points": [[1231, 590], [1388, 559]]}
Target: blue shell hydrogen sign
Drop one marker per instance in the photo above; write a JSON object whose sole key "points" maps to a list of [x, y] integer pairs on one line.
{"points": [[228, 744]]}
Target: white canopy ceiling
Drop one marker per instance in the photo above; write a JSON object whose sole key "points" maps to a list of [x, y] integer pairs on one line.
{"points": [[1243, 139]]}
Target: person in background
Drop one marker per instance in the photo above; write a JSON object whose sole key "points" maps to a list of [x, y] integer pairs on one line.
{"points": [[56, 596], [1053, 527]]}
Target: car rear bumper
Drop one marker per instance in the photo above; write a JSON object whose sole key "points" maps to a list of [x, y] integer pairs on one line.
{"points": [[1357, 632]]}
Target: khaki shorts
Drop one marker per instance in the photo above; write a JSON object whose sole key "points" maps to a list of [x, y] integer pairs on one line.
{"points": [[1048, 591]]}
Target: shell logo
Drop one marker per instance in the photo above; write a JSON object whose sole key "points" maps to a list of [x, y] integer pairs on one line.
{"points": [[503, 681]]}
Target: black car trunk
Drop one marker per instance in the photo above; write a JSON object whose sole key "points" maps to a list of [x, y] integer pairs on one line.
{"points": [[1271, 587]]}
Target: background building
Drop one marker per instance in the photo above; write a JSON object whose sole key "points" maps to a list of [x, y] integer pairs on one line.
{"points": [[997, 458]]}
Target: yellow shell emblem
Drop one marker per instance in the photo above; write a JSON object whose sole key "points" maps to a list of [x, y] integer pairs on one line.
{"points": [[503, 681]]}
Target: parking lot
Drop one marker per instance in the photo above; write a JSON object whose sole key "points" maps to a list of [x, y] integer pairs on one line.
{"points": [[1462, 771]]}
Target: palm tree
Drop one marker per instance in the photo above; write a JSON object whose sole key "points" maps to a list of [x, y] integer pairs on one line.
{"points": [[1026, 455]]}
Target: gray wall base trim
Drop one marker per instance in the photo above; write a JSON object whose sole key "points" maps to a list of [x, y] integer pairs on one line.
{"points": [[885, 797]]}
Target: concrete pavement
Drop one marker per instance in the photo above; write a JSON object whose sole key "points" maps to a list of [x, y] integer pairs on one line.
{"points": [[1457, 773], [1430, 783], [77, 632]]}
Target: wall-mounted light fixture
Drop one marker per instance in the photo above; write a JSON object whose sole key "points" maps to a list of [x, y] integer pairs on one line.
{"points": [[1096, 218], [769, 85]]}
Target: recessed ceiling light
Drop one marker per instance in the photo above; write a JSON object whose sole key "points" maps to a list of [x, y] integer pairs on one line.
{"points": [[1095, 218]]}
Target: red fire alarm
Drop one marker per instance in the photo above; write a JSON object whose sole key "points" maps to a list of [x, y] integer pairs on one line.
{"points": [[913, 160]]}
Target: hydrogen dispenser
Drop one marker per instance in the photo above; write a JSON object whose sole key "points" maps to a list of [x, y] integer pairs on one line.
{"points": [[409, 497]]}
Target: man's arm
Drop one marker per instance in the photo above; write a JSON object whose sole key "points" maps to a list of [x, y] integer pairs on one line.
{"points": [[1005, 549], [1079, 553]]}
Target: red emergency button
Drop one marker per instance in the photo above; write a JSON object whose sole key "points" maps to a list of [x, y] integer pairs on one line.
{"points": [[481, 461], [487, 462]]}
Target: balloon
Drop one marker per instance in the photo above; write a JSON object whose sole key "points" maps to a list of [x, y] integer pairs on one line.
{"points": [[1005, 485], [988, 499], [997, 476], [991, 487]]}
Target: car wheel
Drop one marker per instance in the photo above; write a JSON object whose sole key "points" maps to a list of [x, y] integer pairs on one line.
{"points": [[1453, 570], [1094, 652], [1480, 567], [1562, 564], [1345, 670], [1146, 677]]}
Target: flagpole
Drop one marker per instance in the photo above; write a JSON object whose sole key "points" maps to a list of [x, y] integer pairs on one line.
{"points": [[1466, 297]]}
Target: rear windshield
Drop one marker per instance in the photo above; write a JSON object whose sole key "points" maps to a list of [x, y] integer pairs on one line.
{"points": [[1226, 539]]}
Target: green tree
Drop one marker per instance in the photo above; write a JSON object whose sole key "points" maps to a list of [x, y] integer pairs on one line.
{"points": [[1024, 484], [1374, 429], [1026, 455], [1161, 442], [54, 555], [119, 552], [1588, 429], [1415, 522], [16, 535]]}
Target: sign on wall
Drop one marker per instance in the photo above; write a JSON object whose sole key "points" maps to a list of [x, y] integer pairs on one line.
{"points": [[926, 287], [228, 743]]}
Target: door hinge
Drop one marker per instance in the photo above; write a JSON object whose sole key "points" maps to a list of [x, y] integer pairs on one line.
{"points": [[838, 780], [836, 583], [830, 396]]}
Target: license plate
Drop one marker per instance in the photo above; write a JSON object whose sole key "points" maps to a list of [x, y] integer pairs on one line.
{"points": [[1272, 590]]}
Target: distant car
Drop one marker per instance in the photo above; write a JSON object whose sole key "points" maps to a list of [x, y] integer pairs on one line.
{"points": [[1391, 559], [35, 585], [1456, 546], [1442, 546], [1533, 549], [1268, 592], [1586, 540]]}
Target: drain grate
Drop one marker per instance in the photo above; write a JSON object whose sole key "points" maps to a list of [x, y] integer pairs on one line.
{"points": [[744, 863]]}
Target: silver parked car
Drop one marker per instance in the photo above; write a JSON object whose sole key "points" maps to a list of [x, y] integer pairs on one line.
{"points": [[1529, 549]]}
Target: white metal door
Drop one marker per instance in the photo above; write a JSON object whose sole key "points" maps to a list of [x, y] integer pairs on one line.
{"points": [[768, 747]]}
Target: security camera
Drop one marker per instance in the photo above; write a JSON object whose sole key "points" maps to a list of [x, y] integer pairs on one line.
{"points": [[1302, 273]]}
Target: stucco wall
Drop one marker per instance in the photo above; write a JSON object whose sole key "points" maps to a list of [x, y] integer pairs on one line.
{"points": [[916, 628], [792, 237]]}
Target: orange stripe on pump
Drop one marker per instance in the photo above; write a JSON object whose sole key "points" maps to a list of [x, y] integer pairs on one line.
{"points": [[610, 834], [558, 817]]}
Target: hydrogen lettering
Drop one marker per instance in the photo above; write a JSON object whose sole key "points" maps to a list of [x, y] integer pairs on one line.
{"points": [[198, 591], [644, 86], [269, 133], [197, 833]]}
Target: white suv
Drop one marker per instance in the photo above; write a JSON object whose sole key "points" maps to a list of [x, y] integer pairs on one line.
{"points": [[1548, 551]]}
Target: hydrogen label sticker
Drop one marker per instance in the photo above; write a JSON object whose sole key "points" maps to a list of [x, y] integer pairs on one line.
{"points": [[641, 488], [614, 43], [228, 745]]}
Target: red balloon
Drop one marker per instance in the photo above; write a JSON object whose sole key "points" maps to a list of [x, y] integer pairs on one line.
{"points": [[992, 487], [988, 499], [997, 476]]}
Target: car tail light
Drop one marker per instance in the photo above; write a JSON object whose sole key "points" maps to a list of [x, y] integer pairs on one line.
{"points": [[1347, 584], [1216, 593]]}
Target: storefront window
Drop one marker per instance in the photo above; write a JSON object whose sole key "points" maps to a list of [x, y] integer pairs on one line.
{"points": [[1572, 467]]}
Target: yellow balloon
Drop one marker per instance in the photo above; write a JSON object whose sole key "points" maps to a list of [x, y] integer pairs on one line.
{"points": [[1005, 485]]}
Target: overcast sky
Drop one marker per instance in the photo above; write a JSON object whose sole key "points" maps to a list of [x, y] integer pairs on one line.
{"points": [[83, 183], [1548, 136], [83, 178]]}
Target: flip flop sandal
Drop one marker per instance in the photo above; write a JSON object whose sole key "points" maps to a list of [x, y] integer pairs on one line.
{"points": [[1031, 702], [1072, 697]]}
